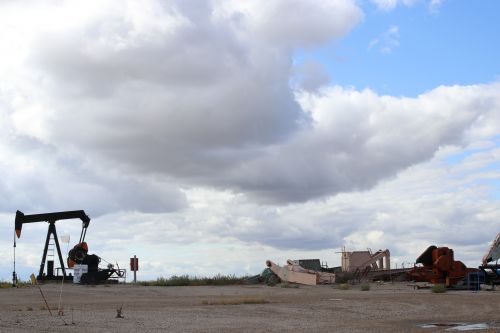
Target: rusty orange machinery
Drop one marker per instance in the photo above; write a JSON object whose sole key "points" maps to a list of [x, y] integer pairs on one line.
{"points": [[439, 266]]}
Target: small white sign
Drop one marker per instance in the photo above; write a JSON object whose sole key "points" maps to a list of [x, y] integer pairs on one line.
{"points": [[78, 271]]}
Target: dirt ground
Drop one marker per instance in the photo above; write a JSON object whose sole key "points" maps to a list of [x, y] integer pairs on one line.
{"points": [[384, 308]]}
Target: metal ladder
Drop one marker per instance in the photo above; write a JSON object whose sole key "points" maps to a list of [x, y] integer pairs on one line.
{"points": [[51, 254]]}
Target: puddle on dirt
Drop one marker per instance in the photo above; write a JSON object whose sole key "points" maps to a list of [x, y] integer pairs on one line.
{"points": [[458, 326]]}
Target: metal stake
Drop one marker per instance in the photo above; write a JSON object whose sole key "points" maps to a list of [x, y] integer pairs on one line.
{"points": [[14, 275]]}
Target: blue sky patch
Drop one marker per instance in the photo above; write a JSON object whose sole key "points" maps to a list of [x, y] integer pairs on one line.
{"points": [[410, 50]]}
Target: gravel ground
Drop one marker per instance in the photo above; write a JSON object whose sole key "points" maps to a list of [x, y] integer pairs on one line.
{"points": [[384, 308]]}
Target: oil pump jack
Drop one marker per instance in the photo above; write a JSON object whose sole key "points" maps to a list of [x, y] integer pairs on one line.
{"points": [[77, 255]]}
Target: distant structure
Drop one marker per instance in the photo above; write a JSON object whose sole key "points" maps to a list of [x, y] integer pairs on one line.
{"points": [[357, 261]]}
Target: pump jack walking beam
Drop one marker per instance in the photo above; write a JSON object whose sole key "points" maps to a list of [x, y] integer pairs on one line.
{"points": [[51, 218]]}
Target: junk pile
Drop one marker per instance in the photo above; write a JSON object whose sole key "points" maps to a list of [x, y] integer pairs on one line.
{"points": [[490, 269], [368, 266], [293, 272], [435, 265], [365, 260], [439, 266], [267, 277]]}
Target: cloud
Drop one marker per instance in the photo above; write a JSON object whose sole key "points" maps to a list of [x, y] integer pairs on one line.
{"points": [[283, 23], [358, 139], [193, 75], [391, 4], [388, 5], [387, 41], [191, 98], [434, 5], [310, 76], [226, 232], [200, 97], [41, 179], [177, 90]]}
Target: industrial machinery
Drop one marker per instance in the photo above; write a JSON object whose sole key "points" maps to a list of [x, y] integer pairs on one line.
{"points": [[490, 267], [439, 266], [78, 255], [493, 253]]}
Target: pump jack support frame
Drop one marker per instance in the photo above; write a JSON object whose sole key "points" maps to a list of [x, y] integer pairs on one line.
{"points": [[52, 230]]}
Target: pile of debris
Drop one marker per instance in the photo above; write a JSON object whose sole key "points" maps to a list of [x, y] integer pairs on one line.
{"points": [[435, 265], [294, 272], [267, 277]]}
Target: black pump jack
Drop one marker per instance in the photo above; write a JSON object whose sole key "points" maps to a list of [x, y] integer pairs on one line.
{"points": [[51, 218]]}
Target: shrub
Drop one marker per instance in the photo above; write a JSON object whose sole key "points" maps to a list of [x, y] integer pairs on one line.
{"points": [[344, 286], [271, 283], [438, 288], [20, 284], [364, 286], [4, 284], [186, 280]]}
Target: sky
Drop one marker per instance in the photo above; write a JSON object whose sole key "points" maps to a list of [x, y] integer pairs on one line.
{"points": [[206, 137]]}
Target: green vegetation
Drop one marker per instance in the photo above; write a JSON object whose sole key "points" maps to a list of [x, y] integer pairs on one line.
{"points": [[8, 284], [289, 285], [364, 287], [186, 280], [438, 288], [344, 286], [4, 284]]}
